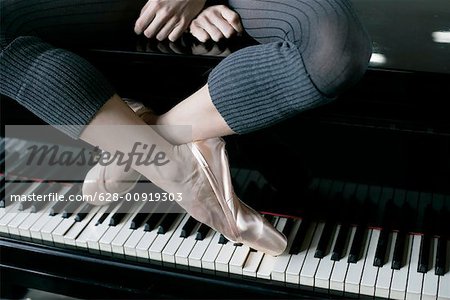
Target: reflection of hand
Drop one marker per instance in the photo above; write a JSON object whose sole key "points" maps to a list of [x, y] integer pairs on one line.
{"points": [[167, 18], [201, 49], [216, 22]]}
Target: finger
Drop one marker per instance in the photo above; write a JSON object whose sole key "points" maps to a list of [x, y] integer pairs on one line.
{"points": [[177, 32], [157, 23], [145, 7], [144, 20], [233, 19], [222, 24], [210, 28], [166, 29], [199, 33]]}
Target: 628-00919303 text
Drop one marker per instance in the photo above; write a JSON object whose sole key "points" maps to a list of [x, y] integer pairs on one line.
{"points": [[106, 197]]}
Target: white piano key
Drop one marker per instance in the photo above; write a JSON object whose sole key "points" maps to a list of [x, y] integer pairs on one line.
{"points": [[82, 240], [12, 213], [135, 238], [168, 253], [355, 271], [297, 261], [129, 247], [223, 258], [444, 281], [200, 248], [97, 232], [282, 261], [106, 240], [35, 229], [24, 227], [13, 226], [254, 259], [238, 259], [50, 226], [161, 240], [385, 272], [5, 210], [415, 279], [117, 245], [186, 247], [144, 245], [370, 272], [268, 261], [337, 280], [326, 265], [400, 277], [211, 253], [431, 280], [311, 263], [76, 230], [252, 263], [64, 226]]}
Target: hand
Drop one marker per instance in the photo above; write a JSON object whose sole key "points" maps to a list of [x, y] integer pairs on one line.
{"points": [[216, 22], [167, 18]]}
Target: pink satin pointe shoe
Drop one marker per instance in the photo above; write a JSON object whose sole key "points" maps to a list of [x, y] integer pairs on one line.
{"points": [[112, 178], [241, 223]]}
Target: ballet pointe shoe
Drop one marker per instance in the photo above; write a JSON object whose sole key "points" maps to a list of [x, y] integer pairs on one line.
{"points": [[241, 224], [112, 178]]}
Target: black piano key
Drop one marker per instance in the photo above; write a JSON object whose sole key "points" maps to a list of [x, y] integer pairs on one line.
{"points": [[202, 231], [70, 209], [380, 252], [300, 236], [325, 240], [151, 222], [167, 222], [288, 227], [425, 243], [57, 208], [222, 239], [441, 257], [424, 254], [341, 240], [106, 213], [357, 245], [81, 215], [140, 217], [138, 220], [44, 189], [25, 205], [120, 214], [399, 251], [188, 227], [270, 218]]}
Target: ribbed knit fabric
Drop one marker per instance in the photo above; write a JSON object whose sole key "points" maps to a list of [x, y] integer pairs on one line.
{"points": [[57, 85], [312, 51], [261, 85]]}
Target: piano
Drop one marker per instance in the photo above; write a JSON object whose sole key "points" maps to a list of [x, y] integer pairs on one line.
{"points": [[361, 187]]}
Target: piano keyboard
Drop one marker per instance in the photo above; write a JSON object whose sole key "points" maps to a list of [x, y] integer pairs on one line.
{"points": [[340, 258]]}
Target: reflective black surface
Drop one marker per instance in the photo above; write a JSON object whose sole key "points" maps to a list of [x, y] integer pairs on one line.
{"points": [[408, 34]]}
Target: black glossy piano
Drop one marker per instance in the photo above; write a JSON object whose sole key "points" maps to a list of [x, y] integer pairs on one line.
{"points": [[361, 187]]}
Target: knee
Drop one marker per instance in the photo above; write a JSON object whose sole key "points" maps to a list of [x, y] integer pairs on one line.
{"points": [[338, 51]]}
